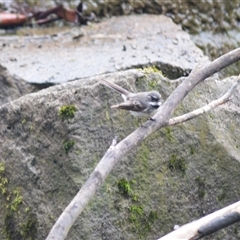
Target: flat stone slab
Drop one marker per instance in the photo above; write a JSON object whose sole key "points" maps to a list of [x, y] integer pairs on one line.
{"points": [[114, 44]]}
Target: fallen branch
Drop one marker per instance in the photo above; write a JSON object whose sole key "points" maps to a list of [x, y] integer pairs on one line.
{"points": [[188, 116], [206, 225], [115, 154]]}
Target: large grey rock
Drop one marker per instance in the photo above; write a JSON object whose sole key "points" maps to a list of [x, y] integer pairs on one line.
{"points": [[177, 175], [213, 25], [113, 45]]}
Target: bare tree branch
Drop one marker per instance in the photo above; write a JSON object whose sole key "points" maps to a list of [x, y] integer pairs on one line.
{"points": [[115, 154], [206, 225], [206, 108]]}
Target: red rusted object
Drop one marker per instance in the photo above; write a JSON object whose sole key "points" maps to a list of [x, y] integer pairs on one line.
{"points": [[41, 17], [67, 14], [12, 19]]}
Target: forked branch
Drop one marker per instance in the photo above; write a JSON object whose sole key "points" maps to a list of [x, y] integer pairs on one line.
{"points": [[116, 153], [188, 116]]}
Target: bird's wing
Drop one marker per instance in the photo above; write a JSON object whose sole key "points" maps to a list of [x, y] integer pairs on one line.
{"points": [[115, 87], [130, 105]]}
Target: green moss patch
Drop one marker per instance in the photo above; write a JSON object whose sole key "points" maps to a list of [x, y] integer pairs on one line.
{"points": [[19, 221], [68, 145], [179, 164], [67, 112], [139, 220], [124, 187]]}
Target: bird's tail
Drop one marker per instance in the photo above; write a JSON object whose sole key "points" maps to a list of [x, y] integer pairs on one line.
{"points": [[115, 87]]}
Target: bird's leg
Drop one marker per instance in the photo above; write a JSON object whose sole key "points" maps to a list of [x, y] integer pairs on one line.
{"points": [[152, 119]]}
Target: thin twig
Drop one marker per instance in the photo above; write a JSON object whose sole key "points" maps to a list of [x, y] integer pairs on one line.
{"points": [[206, 108]]}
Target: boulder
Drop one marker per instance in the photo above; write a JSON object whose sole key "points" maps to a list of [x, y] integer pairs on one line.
{"points": [[115, 44], [52, 140]]}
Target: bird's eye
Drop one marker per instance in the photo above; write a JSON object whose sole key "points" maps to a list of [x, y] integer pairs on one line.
{"points": [[154, 98]]}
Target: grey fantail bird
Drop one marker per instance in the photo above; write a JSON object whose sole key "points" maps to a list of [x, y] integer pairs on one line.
{"points": [[139, 104]]}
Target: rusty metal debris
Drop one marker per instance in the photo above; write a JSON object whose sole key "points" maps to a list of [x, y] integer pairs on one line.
{"points": [[25, 15]]}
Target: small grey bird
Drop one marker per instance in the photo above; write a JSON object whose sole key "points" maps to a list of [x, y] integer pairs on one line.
{"points": [[139, 104]]}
